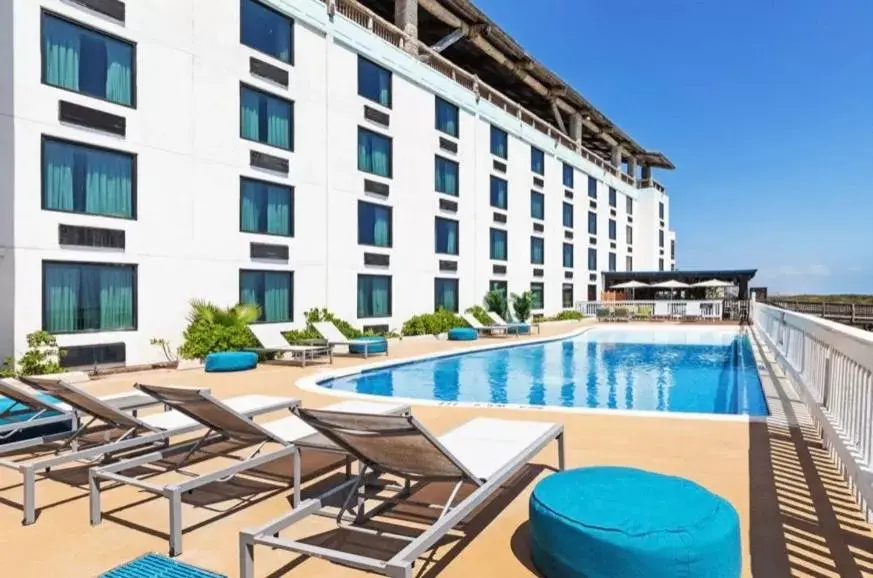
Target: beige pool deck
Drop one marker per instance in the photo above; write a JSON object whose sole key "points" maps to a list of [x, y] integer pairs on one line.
{"points": [[798, 516]]}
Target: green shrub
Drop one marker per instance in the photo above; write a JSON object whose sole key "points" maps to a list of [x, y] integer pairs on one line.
{"points": [[567, 315], [41, 358], [212, 328], [317, 315], [480, 314], [603, 313], [521, 304], [432, 323]]}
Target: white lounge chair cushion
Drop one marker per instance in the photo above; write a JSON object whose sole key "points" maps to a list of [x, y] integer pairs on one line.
{"points": [[244, 404], [292, 428], [132, 398], [485, 445]]}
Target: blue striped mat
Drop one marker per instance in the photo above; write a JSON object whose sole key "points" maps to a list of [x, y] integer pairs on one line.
{"points": [[157, 566]]}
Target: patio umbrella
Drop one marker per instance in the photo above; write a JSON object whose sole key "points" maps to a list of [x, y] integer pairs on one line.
{"points": [[714, 283], [671, 285], [632, 285]]}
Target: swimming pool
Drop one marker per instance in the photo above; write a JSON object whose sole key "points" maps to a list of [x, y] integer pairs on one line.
{"points": [[665, 369]]}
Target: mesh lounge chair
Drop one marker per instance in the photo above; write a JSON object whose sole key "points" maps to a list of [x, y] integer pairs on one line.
{"points": [[692, 310], [105, 433], [500, 321], [662, 310], [223, 425], [483, 452], [335, 337], [272, 341], [493, 330]]}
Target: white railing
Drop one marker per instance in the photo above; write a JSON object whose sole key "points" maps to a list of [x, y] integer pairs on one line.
{"points": [[832, 366], [654, 309]]}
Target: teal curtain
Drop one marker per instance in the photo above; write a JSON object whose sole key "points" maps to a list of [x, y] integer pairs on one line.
{"points": [[250, 207], [250, 286], [446, 294], [108, 186], [446, 176], [59, 164], [381, 229], [278, 123], [277, 297], [452, 240], [537, 205], [88, 298], [249, 123], [446, 117], [568, 255], [266, 30], [266, 208], [498, 244], [568, 215], [61, 50], [498, 192], [278, 211], [61, 298], [374, 153], [119, 58], [536, 251], [498, 142], [374, 296], [116, 298], [446, 236], [374, 82], [381, 296]]}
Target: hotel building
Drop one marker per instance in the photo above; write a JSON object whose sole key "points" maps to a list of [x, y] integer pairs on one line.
{"points": [[380, 159]]}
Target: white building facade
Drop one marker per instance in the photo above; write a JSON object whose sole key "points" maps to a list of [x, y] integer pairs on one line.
{"points": [[156, 152]]}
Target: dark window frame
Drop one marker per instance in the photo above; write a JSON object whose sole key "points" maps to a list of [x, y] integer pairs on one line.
{"points": [[564, 288], [592, 251], [456, 164], [491, 233], [292, 212], [613, 197], [292, 117], [390, 209], [592, 187], [613, 230], [541, 290], [590, 221], [292, 25], [535, 240], [612, 261], [572, 173], [534, 154], [629, 205], [450, 280], [290, 297], [505, 136], [390, 295], [491, 192], [390, 140], [564, 214], [390, 105], [436, 247], [543, 205], [572, 255], [437, 100]]}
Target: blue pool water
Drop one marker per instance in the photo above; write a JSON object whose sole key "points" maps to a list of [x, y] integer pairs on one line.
{"points": [[669, 371]]}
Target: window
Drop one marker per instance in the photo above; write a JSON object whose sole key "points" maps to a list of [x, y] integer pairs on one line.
{"points": [[673, 249], [446, 236], [266, 119], [86, 297], [567, 295], [568, 176], [499, 193], [447, 117], [592, 223], [266, 208], [537, 161], [536, 295], [613, 197], [83, 60], [445, 295], [446, 176], [272, 291], [629, 205], [498, 286], [661, 211], [629, 235], [374, 224], [537, 250], [660, 264], [374, 296], [375, 154], [266, 30], [612, 262], [537, 205], [83, 179], [374, 82], [499, 142], [661, 238], [568, 255], [592, 292], [592, 187], [612, 232], [568, 215], [592, 259], [498, 245], [629, 263]]}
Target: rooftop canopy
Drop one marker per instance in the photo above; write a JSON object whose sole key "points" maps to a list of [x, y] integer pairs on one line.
{"points": [[738, 277]]}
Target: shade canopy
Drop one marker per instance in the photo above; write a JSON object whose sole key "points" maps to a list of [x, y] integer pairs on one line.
{"points": [[630, 285], [713, 283], [671, 284]]}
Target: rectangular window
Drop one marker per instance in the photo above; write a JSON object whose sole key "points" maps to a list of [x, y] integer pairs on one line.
{"points": [[592, 223], [77, 178], [498, 286], [499, 142], [568, 255], [266, 208], [266, 119], [536, 295], [86, 61], [661, 211], [446, 176], [629, 263], [446, 236], [374, 224], [567, 295], [266, 30], [613, 234], [537, 205], [87, 297], [499, 193], [375, 153], [592, 187], [568, 215], [537, 250], [661, 238], [374, 82], [592, 292], [629, 205], [272, 291], [592, 259], [498, 245], [445, 294], [568, 176], [447, 117], [613, 197], [612, 262], [374, 296], [672, 249], [660, 264], [537, 161], [629, 235]]}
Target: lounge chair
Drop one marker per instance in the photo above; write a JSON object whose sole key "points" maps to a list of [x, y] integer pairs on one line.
{"points": [[272, 341], [105, 433], [483, 453], [492, 330], [335, 337], [223, 424], [605, 314], [692, 310], [662, 310], [498, 320]]}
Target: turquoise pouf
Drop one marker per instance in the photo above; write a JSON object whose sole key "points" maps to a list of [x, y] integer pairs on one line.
{"points": [[463, 334], [609, 522], [374, 345], [518, 328], [231, 361]]}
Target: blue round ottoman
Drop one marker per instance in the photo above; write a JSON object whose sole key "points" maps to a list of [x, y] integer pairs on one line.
{"points": [[374, 345], [518, 328], [609, 522], [463, 334], [231, 361]]}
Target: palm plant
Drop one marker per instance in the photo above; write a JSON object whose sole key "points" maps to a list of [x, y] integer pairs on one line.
{"points": [[495, 300], [214, 328], [521, 305]]}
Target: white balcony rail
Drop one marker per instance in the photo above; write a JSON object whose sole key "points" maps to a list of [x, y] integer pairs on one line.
{"points": [[832, 366], [655, 309]]}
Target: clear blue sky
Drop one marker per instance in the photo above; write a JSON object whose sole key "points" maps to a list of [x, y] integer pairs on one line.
{"points": [[764, 106]]}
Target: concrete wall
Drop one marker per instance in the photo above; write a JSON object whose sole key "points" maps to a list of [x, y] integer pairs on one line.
{"points": [[7, 183]]}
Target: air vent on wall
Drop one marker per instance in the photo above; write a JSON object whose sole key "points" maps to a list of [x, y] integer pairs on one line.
{"points": [[112, 8], [537, 272], [376, 116], [538, 227], [73, 236], [90, 356], [91, 118], [448, 265], [377, 188], [568, 274], [377, 259], [498, 166], [448, 145], [447, 205], [538, 182], [568, 234], [499, 218], [499, 269], [268, 162], [268, 251], [268, 71], [568, 195]]}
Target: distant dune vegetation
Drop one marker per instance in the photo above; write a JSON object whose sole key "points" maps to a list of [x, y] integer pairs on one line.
{"points": [[841, 298]]}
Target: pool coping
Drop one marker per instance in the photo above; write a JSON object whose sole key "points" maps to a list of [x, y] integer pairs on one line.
{"points": [[313, 382]]}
